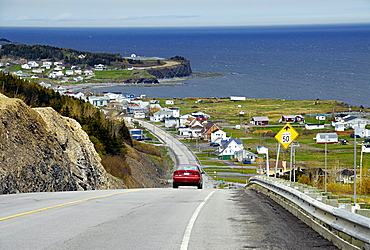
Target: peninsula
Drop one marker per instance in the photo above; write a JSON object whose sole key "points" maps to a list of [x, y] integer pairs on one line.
{"points": [[54, 66]]}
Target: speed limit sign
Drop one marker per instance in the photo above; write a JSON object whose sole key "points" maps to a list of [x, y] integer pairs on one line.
{"points": [[286, 135]]}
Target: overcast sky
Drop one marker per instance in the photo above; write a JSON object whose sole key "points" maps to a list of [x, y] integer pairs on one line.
{"points": [[172, 13]]}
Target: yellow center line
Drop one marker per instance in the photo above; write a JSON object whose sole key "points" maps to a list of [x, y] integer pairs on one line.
{"points": [[63, 204]]}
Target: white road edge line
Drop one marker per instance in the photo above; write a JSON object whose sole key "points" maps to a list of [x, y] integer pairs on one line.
{"points": [[186, 238]]}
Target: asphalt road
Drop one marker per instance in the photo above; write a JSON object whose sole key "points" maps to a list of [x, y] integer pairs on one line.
{"points": [[183, 154], [184, 218]]}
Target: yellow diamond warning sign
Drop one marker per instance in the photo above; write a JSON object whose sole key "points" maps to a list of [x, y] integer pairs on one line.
{"points": [[286, 135]]}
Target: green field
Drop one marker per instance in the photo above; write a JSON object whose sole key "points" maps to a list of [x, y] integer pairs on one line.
{"points": [[226, 114]]}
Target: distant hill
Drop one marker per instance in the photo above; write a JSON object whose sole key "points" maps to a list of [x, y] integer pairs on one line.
{"points": [[4, 41], [68, 56], [160, 68]]}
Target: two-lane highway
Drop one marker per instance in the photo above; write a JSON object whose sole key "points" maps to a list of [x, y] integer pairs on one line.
{"points": [[186, 218], [182, 152]]}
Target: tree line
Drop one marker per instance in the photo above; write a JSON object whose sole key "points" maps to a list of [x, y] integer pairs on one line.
{"points": [[68, 56]]}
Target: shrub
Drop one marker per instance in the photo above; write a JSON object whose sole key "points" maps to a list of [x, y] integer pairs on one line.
{"points": [[116, 166]]}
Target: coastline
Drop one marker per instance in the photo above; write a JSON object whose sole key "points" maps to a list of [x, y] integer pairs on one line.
{"points": [[162, 82], [87, 86]]}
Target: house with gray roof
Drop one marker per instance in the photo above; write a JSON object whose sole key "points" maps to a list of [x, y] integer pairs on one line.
{"points": [[228, 148], [326, 137]]}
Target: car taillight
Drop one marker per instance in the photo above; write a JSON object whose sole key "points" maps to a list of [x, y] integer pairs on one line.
{"points": [[177, 173], [196, 173]]}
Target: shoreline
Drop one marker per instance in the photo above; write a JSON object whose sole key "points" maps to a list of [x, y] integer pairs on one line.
{"points": [[162, 82], [87, 86]]}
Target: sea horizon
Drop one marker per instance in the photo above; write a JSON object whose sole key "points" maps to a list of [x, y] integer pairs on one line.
{"points": [[295, 62]]}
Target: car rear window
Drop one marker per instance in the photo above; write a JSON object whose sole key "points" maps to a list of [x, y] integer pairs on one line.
{"points": [[187, 167]]}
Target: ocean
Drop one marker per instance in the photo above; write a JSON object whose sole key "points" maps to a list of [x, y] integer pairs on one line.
{"points": [[292, 62]]}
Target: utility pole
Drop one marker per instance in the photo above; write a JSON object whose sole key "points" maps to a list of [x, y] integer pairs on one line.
{"points": [[277, 159], [326, 173], [355, 167], [291, 167]]}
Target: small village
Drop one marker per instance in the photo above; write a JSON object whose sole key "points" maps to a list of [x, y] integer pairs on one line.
{"points": [[198, 126], [54, 71]]}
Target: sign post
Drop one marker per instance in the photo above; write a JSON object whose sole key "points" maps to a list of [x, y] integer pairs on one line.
{"points": [[285, 137]]}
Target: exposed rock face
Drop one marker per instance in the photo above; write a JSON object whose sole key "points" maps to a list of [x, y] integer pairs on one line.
{"points": [[144, 80], [180, 70], [43, 151]]}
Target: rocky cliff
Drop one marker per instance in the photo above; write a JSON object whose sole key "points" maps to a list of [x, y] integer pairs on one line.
{"points": [[43, 151], [181, 70]]}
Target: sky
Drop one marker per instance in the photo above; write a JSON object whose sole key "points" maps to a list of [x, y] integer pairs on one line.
{"points": [[180, 13]]}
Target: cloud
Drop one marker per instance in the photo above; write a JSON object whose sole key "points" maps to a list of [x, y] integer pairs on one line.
{"points": [[63, 16], [29, 19], [155, 17]]}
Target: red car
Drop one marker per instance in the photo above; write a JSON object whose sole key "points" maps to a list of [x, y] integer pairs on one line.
{"points": [[188, 175]]}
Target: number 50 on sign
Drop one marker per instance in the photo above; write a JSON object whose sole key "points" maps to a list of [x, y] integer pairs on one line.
{"points": [[286, 135]]}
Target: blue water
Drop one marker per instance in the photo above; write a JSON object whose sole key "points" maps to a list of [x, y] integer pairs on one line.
{"points": [[298, 63]]}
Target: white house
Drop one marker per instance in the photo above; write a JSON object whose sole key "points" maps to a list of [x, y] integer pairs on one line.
{"points": [[361, 131], [161, 115], [193, 132], [326, 137], [365, 148], [262, 150], [193, 128], [88, 72], [310, 126], [33, 64], [353, 121], [229, 148], [171, 122], [46, 64], [339, 126], [238, 98], [98, 100], [170, 102], [100, 67], [113, 96], [56, 74], [25, 66], [320, 118], [218, 135], [245, 156], [175, 112]]}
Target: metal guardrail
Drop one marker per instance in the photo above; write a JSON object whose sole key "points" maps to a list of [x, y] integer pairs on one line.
{"points": [[345, 229]]}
